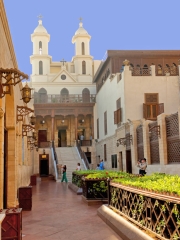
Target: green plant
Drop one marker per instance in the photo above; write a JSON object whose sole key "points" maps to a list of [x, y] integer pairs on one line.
{"points": [[160, 226], [100, 186], [175, 237]]}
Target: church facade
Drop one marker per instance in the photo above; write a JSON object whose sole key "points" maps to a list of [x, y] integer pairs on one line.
{"points": [[64, 94]]}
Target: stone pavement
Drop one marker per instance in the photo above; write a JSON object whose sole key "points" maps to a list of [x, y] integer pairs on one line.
{"points": [[58, 213]]}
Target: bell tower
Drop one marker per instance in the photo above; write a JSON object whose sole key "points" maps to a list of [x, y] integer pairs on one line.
{"points": [[40, 59], [82, 59]]}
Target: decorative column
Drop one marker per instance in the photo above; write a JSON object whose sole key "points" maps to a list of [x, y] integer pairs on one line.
{"points": [[52, 128], [76, 122], [92, 126]]}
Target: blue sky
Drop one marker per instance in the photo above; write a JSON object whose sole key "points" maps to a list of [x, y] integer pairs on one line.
{"points": [[114, 24]]}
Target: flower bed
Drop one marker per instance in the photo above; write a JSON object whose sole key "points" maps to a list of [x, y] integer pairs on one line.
{"points": [[77, 176], [95, 184], [152, 202], [94, 189]]}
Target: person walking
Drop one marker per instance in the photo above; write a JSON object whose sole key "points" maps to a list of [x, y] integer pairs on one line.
{"points": [[64, 178]]}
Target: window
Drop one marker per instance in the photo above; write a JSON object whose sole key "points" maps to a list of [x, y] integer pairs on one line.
{"points": [[64, 95], [98, 128], [105, 155], [86, 95], [151, 107], [105, 123], [83, 48], [40, 45], [64, 92], [118, 112], [83, 67], [42, 95], [40, 68], [114, 160]]}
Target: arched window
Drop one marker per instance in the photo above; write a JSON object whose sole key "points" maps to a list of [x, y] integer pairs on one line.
{"points": [[42, 95], [40, 68], [83, 67], [86, 95], [173, 69], [40, 44], [83, 48], [64, 95]]}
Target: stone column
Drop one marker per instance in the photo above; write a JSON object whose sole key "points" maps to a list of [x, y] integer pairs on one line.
{"points": [[76, 123], [146, 141], [162, 140], [92, 126]]}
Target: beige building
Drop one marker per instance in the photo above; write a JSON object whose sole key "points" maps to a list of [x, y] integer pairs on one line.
{"points": [[64, 92], [132, 123], [15, 155]]}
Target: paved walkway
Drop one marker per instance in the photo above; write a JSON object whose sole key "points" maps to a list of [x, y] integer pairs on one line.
{"points": [[58, 213]]}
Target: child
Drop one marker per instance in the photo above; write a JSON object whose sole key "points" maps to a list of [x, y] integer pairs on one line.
{"points": [[78, 167]]}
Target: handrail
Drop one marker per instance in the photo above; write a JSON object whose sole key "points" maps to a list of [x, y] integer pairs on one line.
{"points": [[82, 154], [54, 164], [55, 154]]}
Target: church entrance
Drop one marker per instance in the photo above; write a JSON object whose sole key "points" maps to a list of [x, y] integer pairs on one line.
{"points": [[44, 165], [62, 140]]}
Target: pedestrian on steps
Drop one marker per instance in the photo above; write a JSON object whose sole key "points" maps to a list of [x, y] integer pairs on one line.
{"points": [[64, 178], [78, 167]]}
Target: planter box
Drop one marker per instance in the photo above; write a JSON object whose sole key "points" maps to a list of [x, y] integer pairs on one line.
{"points": [[33, 180], [92, 190], [11, 227], [25, 198], [157, 213]]}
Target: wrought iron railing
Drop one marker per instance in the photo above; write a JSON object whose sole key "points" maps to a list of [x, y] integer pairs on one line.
{"points": [[82, 155], [156, 212], [71, 98]]}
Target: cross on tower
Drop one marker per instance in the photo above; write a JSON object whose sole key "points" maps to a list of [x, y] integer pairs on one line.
{"points": [[40, 16], [63, 61], [80, 19]]}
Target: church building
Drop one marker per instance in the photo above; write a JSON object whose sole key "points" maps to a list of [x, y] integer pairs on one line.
{"points": [[64, 92]]}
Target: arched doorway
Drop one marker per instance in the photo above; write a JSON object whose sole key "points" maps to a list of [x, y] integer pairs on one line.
{"points": [[86, 95]]}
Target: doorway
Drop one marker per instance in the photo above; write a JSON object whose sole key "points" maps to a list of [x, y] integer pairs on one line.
{"points": [[88, 155], [5, 169], [42, 136], [128, 161], [44, 165], [62, 141]]}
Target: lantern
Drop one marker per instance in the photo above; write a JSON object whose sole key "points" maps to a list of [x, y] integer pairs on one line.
{"points": [[26, 93]]}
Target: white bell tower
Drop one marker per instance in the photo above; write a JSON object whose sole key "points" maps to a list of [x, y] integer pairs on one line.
{"points": [[82, 60], [40, 59]]}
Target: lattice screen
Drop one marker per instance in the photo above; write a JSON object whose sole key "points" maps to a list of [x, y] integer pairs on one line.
{"points": [[173, 141], [154, 144]]}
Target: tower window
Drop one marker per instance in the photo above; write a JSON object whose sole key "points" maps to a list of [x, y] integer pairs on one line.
{"points": [[40, 68], [83, 67], [40, 47], [83, 49]]}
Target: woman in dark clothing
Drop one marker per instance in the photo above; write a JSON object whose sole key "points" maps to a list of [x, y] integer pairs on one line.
{"points": [[64, 178]]}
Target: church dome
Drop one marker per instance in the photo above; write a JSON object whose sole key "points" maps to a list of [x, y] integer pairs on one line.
{"points": [[81, 30], [40, 28]]}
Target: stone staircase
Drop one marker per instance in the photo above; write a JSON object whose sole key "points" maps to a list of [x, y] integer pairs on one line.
{"points": [[69, 156]]}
